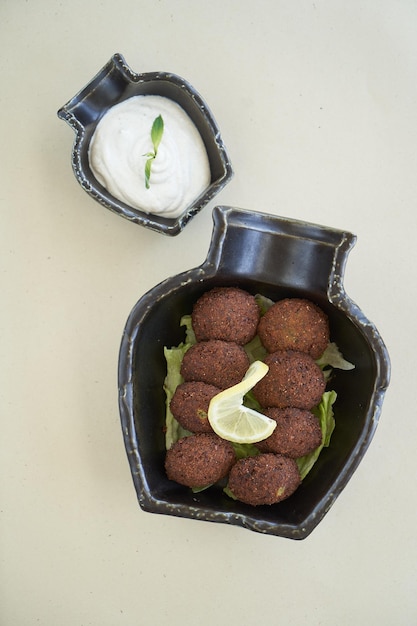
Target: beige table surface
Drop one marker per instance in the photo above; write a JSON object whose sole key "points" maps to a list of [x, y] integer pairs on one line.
{"points": [[317, 103]]}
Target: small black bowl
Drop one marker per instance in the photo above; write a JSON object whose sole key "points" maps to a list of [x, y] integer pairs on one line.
{"points": [[115, 83], [278, 258]]}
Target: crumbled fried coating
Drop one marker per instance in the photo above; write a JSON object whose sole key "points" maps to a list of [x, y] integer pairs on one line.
{"points": [[296, 434], [295, 324], [219, 363], [264, 479], [226, 313], [190, 403], [294, 379], [199, 460]]}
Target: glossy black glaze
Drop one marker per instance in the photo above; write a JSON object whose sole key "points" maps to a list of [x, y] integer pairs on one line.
{"points": [[115, 83], [276, 257]]}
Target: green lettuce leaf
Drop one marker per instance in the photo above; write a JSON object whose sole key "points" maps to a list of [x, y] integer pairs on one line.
{"points": [[190, 339], [242, 450], [255, 350], [325, 415], [333, 357], [263, 303], [173, 378], [173, 357]]}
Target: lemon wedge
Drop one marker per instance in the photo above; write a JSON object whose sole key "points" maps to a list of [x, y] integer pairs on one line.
{"points": [[233, 421]]}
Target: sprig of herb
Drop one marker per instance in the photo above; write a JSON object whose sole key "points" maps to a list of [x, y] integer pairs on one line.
{"points": [[156, 136]]}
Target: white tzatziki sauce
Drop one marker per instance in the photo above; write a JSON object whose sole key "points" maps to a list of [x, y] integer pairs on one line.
{"points": [[117, 154]]}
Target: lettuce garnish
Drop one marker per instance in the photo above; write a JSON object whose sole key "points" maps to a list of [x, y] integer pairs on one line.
{"points": [[325, 415], [173, 357], [332, 357]]}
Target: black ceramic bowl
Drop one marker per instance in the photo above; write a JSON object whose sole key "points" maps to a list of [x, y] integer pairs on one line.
{"points": [[115, 83], [278, 258]]}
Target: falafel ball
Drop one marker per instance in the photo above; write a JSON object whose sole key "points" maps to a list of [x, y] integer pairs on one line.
{"points": [[294, 379], [295, 324], [219, 363], [189, 405], [199, 460], [297, 432], [264, 479], [226, 313]]}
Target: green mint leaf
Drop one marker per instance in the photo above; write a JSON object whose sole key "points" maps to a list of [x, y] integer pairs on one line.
{"points": [[156, 132], [148, 165], [156, 136]]}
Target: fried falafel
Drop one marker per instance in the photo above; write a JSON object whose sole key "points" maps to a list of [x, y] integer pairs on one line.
{"points": [[226, 313], [295, 332], [189, 405], [215, 362], [199, 460], [295, 324], [264, 479], [297, 432], [294, 379]]}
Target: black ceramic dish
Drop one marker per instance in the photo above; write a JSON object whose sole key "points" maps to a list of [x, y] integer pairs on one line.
{"points": [[115, 83], [278, 258]]}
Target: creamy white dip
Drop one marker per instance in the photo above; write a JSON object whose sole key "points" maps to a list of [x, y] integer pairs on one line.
{"points": [[117, 155]]}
